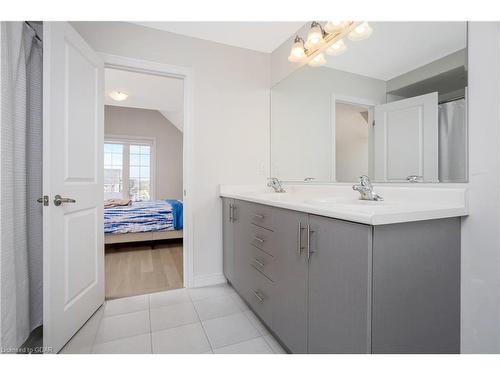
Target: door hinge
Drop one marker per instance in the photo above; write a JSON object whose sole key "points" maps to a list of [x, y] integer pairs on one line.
{"points": [[44, 200]]}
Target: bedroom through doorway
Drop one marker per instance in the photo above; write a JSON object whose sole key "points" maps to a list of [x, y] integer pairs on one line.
{"points": [[143, 183]]}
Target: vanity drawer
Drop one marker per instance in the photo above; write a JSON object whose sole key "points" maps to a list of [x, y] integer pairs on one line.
{"points": [[262, 216], [262, 262], [262, 238], [259, 296]]}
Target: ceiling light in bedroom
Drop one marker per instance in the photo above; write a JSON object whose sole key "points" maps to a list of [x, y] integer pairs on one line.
{"points": [[118, 95]]}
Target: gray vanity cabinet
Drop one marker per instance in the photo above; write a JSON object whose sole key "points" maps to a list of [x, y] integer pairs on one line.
{"points": [[323, 285], [291, 281], [228, 238], [339, 286]]}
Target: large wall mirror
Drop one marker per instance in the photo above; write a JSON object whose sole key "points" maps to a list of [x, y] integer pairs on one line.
{"points": [[393, 107]]}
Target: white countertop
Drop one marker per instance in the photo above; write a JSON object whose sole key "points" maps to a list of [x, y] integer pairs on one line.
{"points": [[401, 204]]}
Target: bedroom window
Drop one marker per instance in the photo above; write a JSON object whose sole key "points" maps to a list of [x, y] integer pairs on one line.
{"points": [[127, 169]]}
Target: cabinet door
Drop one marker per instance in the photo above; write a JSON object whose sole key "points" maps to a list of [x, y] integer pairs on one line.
{"points": [[228, 238], [241, 250], [339, 286], [290, 287], [416, 287]]}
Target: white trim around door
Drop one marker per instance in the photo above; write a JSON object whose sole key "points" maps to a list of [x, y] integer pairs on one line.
{"points": [[160, 69]]}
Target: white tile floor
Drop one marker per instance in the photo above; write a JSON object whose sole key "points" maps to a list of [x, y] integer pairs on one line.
{"points": [[202, 320]]}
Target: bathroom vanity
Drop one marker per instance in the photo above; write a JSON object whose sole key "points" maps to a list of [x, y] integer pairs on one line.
{"points": [[327, 273]]}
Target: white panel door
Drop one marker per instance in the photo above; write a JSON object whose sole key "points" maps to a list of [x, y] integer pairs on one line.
{"points": [[406, 139], [73, 136]]}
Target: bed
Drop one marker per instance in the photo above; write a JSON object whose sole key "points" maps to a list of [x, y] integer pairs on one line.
{"points": [[143, 221]]}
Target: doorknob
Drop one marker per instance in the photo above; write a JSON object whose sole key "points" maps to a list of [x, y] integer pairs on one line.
{"points": [[58, 200]]}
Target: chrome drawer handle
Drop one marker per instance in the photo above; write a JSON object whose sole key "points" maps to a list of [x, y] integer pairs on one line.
{"points": [[257, 295], [299, 239], [258, 216], [259, 262], [261, 240]]}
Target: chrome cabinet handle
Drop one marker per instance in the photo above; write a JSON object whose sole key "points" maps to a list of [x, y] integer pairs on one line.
{"points": [[231, 213], [309, 250], [259, 262], [261, 240], [58, 200], [257, 295], [299, 239], [259, 216]]}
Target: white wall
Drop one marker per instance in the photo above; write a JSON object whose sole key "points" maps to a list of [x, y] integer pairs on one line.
{"points": [[135, 122], [231, 119], [481, 230]]}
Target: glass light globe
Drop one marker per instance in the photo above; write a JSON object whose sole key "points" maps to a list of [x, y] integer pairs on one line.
{"points": [[317, 60], [337, 48], [297, 54], [360, 32], [315, 37], [334, 26]]}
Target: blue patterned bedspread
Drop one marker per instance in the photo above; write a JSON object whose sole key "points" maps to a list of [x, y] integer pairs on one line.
{"points": [[148, 216]]}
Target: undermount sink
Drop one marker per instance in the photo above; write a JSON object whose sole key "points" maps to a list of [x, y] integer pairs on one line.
{"points": [[346, 201], [321, 201]]}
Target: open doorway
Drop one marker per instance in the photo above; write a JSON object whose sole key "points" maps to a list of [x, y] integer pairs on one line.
{"points": [[143, 183], [352, 131]]}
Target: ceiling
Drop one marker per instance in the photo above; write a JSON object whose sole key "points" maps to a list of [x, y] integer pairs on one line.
{"points": [[146, 91], [395, 48], [257, 36]]}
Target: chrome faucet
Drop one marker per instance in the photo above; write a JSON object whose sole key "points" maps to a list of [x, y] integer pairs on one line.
{"points": [[365, 188], [276, 185]]}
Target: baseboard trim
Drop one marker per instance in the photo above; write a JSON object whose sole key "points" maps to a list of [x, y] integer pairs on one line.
{"points": [[206, 280]]}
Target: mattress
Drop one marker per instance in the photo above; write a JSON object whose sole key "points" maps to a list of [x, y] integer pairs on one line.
{"points": [[146, 216]]}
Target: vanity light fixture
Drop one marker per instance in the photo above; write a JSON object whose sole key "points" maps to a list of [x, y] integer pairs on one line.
{"points": [[337, 48], [333, 26], [329, 39], [118, 95], [317, 60], [360, 32], [315, 36], [298, 53]]}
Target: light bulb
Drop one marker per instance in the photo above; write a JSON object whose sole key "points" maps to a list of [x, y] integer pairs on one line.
{"points": [[361, 32], [337, 48], [118, 95], [315, 36], [297, 54], [334, 26], [318, 60]]}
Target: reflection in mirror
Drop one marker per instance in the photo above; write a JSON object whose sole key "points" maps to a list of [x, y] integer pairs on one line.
{"points": [[392, 106]]}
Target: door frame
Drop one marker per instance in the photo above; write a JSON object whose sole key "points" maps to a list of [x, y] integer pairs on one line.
{"points": [[369, 104], [187, 75]]}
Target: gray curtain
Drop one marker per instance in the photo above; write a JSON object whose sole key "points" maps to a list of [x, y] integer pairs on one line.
{"points": [[453, 141], [21, 183]]}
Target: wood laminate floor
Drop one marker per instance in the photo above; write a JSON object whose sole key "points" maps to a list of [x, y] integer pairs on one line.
{"points": [[133, 269]]}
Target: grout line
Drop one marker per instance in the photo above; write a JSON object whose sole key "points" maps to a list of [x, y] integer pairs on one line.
{"points": [[201, 323], [150, 324]]}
